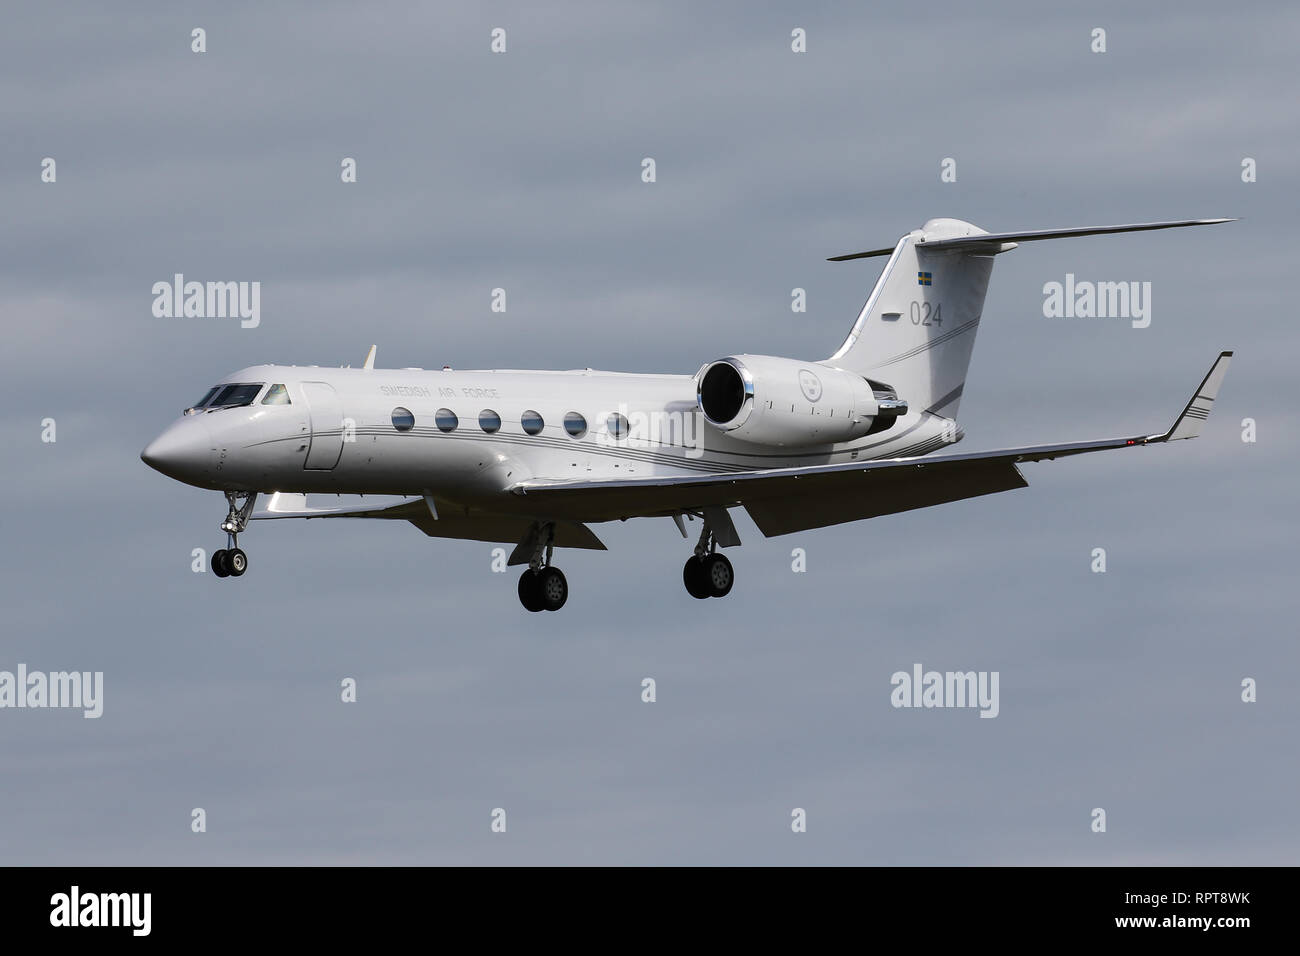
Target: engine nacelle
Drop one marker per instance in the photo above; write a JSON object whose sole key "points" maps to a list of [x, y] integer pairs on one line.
{"points": [[778, 401]]}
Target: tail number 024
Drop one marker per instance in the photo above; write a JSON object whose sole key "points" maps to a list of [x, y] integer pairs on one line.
{"points": [[923, 314]]}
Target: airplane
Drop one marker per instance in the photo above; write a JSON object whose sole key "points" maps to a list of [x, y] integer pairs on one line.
{"points": [[534, 458]]}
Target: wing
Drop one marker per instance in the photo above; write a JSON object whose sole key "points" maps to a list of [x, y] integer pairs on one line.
{"points": [[784, 500], [435, 517]]}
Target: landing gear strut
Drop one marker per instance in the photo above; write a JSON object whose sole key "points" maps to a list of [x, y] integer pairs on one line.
{"points": [[707, 573], [231, 560], [542, 587]]}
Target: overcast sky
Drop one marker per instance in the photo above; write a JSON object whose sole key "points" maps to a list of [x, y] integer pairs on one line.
{"points": [[522, 170]]}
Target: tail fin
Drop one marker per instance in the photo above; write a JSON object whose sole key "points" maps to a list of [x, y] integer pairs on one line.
{"points": [[917, 330]]}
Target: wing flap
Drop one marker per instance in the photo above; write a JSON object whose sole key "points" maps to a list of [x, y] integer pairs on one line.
{"points": [[883, 492]]}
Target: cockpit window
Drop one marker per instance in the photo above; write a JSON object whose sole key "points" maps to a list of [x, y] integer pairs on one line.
{"points": [[231, 396], [277, 395], [207, 398]]}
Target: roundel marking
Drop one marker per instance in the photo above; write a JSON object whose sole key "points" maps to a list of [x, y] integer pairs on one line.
{"points": [[810, 385]]}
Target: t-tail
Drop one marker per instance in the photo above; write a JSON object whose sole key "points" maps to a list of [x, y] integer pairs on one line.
{"points": [[917, 330]]}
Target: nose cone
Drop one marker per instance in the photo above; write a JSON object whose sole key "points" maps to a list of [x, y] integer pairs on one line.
{"points": [[182, 452]]}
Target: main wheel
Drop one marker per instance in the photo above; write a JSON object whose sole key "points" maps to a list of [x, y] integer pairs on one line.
{"points": [[552, 588], [236, 562], [218, 563], [719, 575], [697, 585], [530, 594]]}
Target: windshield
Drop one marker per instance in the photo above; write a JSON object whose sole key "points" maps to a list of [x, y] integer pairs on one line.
{"points": [[207, 398], [231, 395], [202, 401]]}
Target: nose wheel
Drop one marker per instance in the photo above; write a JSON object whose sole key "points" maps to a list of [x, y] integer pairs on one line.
{"points": [[231, 561]]}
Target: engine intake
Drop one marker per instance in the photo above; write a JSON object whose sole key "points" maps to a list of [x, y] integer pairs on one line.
{"points": [[723, 391]]}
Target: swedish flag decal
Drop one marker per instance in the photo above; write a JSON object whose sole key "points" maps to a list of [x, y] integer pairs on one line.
{"points": [[923, 278]]}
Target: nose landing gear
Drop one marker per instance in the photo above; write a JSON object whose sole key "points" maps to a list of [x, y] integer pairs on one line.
{"points": [[231, 561]]}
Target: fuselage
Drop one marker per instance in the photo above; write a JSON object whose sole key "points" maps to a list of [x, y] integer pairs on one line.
{"points": [[470, 435]]}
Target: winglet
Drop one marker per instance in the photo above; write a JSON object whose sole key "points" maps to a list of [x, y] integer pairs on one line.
{"points": [[1188, 424], [370, 359]]}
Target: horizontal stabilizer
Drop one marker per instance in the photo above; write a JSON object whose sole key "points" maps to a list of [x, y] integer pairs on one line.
{"points": [[1035, 234], [993, 241], [888, 250]]}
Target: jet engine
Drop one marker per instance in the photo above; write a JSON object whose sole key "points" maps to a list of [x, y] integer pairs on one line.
{"points": [[768, 400]]}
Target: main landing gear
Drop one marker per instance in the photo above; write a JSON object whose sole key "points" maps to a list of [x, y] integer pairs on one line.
{"points": [[542, 587], [231, 560], [707, 573]]}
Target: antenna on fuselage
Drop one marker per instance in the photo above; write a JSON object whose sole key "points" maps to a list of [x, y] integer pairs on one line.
{"points": [[370, 359]]}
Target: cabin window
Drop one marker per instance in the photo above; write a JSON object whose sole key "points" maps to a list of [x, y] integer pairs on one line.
{"points": [[575, 425], [403, 420], [617, 425], [532, 422], [277, 395], [446, 420], [489, 421]]}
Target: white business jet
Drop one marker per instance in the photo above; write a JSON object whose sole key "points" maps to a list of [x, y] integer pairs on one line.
{"points": [[534, 458]]}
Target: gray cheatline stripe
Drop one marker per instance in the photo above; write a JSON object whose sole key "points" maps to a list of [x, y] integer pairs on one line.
{"points": [[625, 454], [922, 448], [688, 464], [947, 399], [430, 432], [947, 336], [533, 442]]}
